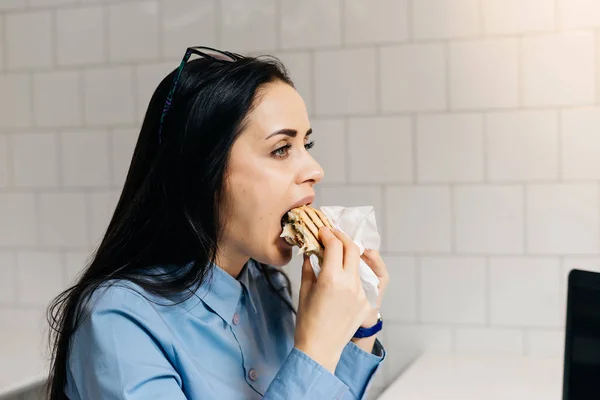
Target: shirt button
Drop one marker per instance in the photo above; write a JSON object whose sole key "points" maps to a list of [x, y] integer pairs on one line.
{"points": [[252, 374], [236, 318]]}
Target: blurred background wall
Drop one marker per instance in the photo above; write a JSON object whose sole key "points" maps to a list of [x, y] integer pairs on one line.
{"points": [[472, 127]]}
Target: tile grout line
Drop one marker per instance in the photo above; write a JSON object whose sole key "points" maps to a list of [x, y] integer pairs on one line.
{"points": [[106, 26], [4, 44], [11, 178], [488, 292], [218, 22], [378, 81], [278, 30], [414, 149], [161, 31], [342, 10], [110, 142], [447, 71], [59, 140], [559, 153], [347, 152], [54, 37], [525, 214], [453, 220], [485, 142], [597, 63], [520, 68], [418, 305]]}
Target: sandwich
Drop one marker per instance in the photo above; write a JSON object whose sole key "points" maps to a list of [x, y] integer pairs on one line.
{"points": [[301, 228]]}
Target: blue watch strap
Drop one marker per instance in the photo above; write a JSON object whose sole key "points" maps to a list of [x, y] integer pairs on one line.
{"points": [[368, 332]]}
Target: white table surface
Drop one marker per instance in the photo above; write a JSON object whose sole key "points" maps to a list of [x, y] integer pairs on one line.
{"points": [[443, 376], [22, 360]]}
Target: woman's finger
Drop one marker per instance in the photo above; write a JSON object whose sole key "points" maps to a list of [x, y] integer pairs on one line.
{"points": [[351, 251]]}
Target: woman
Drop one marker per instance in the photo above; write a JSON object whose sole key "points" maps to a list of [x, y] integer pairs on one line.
{"points": [[183, 298]]}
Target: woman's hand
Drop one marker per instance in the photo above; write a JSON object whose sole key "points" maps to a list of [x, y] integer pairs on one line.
{"points": [[332, 307], [373, 259]]}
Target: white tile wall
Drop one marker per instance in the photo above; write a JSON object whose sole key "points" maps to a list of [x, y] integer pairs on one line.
{"points": [[570, 54], [8, 269], [418, 219], [353, 196], [63, 220], [15, 101], [85, 161], [35, 159], [578, 14], [522, 146], [402, 299], [50, 112], [545, 343], [445, 18], [147, 78], [19, 218], [12, 4], [109, 95], [580, 143], [375, 22], [126, 44], [258, 17], [563, 219], [518, 16], [299, 66], [470, 125], [532, 299], [484, 74], [310, 24], [75, 263], [4, 160], [452, 290], [489, 219], [2, 45], [123, 143], [102, 206], [345, 82], [81, 36], [186, 23], [380, 150], [29, 39], [413, 78], [330, 149], [450, 148], [40, 277]]}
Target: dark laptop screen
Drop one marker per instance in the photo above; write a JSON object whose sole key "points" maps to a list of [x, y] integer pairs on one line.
{"points": [[582, 342]]}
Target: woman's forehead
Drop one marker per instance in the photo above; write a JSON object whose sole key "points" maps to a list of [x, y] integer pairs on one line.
{"points": [[279, 107]]}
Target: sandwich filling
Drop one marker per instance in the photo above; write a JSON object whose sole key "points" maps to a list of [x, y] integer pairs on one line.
{"points": [[301, 228]]}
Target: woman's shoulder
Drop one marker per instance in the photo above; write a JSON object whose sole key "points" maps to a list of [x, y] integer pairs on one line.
{"points": [[118, 295]]}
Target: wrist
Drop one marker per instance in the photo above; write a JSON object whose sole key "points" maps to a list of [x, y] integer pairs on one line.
{"points": [[371, 319], [326, 359]]}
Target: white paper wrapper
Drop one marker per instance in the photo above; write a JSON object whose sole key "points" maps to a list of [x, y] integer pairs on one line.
{"points": [[358, 223]]}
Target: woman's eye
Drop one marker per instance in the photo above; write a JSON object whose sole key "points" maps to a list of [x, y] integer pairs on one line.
{"points": [[284, 151]]}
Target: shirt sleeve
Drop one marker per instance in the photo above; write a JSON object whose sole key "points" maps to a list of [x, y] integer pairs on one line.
{"points": [[114, 355], [302, 378], [356, 367]]}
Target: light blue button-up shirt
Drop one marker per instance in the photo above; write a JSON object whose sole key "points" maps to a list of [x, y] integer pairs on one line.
{"points": [[233, 340]]}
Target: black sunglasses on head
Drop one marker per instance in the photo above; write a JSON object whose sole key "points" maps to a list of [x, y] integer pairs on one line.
{"points": [[202, 51]]}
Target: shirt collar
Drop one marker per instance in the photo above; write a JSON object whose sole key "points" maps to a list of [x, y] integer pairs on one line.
{"points": [[222, 292]]}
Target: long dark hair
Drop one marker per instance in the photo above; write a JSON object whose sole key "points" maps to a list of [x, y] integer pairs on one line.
{"points": [[170, 206]]}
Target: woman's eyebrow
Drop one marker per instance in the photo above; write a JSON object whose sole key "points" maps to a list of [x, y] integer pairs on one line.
{"points": [[288, 132]]}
